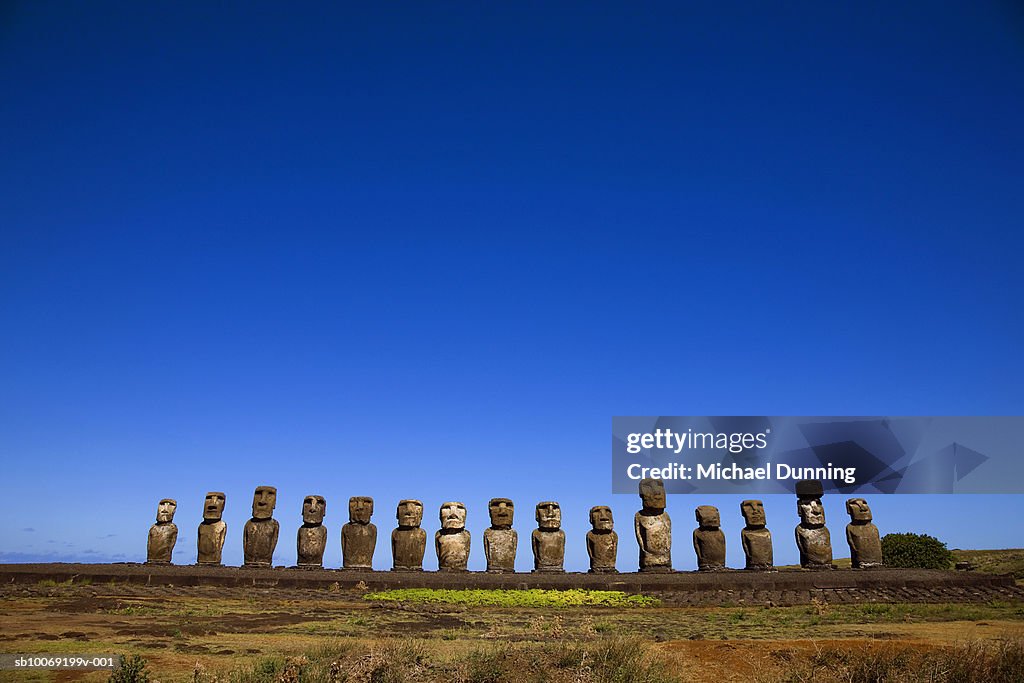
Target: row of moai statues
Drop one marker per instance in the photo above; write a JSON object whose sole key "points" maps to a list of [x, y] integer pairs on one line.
{"points": [[652, 525]]}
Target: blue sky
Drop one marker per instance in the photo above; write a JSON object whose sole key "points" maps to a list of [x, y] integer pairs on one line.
{"points": [[423, 250]]}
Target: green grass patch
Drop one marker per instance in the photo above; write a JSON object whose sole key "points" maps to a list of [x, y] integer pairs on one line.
{"points": [[534, 597]]}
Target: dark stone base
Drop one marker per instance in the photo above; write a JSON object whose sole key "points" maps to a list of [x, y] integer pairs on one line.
{"points": [[548, 570], [686, 588], [602, 570]]}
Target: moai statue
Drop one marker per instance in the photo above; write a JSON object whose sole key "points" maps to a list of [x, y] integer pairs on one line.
{"points": [[812, 537], [548, 539], [602, 541], [500, 540], [359, 536], [756, 539], [312, 537], [164, 534], [708, 539], [862, 535], [653, 528], [452, 540], [212, 530], [260, 536], [409, 541]]}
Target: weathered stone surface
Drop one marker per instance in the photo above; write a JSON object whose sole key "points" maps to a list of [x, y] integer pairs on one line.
{"points": [[755, 538], [500, 540], [602, 541], [312, 536], [162, 535], [653, 528], [359, 535], [213, 530], [452, 541], [862, 536], [260, 534], [708, 539], [812, 536], [548, 539], [409, 541]]}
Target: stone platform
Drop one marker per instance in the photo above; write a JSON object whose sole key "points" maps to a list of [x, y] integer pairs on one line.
{"points": [[782, 587]]}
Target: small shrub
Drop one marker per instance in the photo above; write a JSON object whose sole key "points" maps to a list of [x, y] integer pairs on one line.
{"points": [[132, 670], [918, 551]]}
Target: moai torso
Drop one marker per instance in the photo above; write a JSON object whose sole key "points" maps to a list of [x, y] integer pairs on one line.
{"points": [[603, 549], [452, 550], [259, 542], [407, 548], [865, 545], [757, 546], [213, 530], [162, 535], [312, 541], [358, 541], [815, 545], [654, 535], [312, 536], [359, 535], [259, 538], [548, 550], [211, 541], [708, 539], [162, 538], [500, 549]]}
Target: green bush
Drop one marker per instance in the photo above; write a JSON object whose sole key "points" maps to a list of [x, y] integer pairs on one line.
{"points": [[132, 670], [919, 551]]}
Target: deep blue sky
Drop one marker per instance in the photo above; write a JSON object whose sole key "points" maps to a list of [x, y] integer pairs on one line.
{"points": [[429, 249]]}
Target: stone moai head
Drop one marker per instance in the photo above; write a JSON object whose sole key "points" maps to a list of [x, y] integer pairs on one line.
{"points": [[360, 509], [753, 513], [811, 511], [213, 506], [858, 510], [808, 503], [165, 510], [601, 518], [453, 516], [501, 511], [410, 513], [708, 517], [652, 493], [264, 500], [313, 509], [549, 515]]}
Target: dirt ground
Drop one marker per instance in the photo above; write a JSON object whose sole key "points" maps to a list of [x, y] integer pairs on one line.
{"points": [[221, 629]]}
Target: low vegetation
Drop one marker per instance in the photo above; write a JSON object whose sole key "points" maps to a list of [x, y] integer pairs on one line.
{"points": [[534, 597], [998, 661], [918, 551], [615, 660]]}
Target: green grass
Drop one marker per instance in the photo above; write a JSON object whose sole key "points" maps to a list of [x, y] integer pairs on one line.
{"points": [[533, 597], [1010, 561]]}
